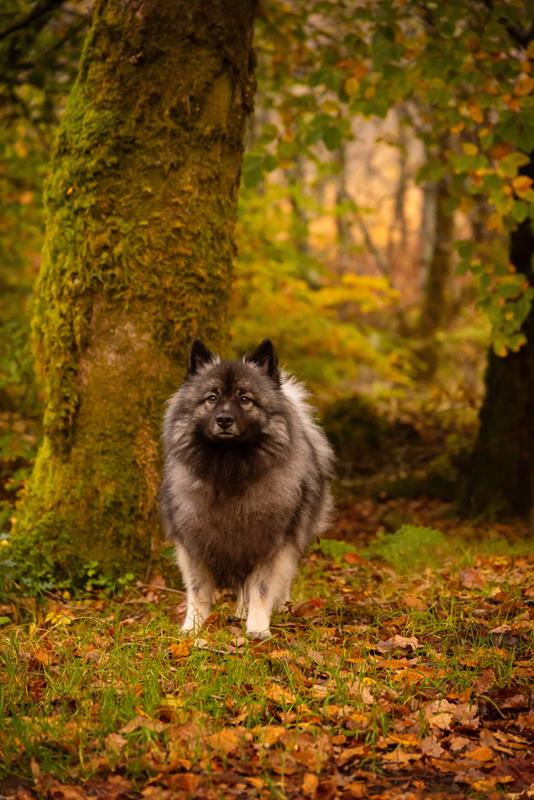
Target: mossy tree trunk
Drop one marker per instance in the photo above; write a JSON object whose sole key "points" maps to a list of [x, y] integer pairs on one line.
{"points": [[141, 206], [501, 470]]}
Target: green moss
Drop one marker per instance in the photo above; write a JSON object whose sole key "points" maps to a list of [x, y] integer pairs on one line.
{"points": [[141, 206]]}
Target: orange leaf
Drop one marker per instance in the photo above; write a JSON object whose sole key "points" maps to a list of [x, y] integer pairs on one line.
{"points": [[522, 185], [182, 649], [310, 783], [524, 86], [43, 656], [476, 113], [223, 741], [354, 558], [481, 753]]}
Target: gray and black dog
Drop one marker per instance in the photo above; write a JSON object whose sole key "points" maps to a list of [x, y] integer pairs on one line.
{"points": [[245, 484]]}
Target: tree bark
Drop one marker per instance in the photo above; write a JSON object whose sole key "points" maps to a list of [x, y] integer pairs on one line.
{"points": [[501, 470], [141, 206], [434, 304]]}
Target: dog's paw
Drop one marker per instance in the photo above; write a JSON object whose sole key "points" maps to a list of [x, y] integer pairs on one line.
{"points": [[262, 635]]}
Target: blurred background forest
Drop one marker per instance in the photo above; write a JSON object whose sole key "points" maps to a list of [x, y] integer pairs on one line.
{"points": [[381, 180]]}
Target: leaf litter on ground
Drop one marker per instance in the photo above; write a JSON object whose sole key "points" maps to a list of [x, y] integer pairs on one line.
{"points": [[390, 678]]}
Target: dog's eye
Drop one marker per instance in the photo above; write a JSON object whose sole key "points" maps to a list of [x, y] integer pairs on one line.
{"points": [[245, 400], [211, 399]]}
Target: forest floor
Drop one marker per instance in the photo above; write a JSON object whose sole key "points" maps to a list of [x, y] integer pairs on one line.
{"points": [[403, 668]]}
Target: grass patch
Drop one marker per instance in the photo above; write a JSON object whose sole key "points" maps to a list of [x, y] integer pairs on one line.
{"points": [[379, 672]]}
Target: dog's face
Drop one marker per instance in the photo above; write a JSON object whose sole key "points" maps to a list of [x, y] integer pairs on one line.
{"points": [[233, 401]]}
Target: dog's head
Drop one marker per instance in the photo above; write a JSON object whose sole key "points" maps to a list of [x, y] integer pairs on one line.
{"points": [[233, 399]]}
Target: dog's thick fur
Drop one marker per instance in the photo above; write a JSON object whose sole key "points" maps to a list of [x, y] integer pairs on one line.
{"points": [[246, 482]]}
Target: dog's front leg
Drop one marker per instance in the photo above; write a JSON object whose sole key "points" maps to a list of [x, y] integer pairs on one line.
{"points": [[199, 586], [268, 584]]}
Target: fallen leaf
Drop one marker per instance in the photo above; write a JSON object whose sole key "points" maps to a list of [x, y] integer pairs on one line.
{"points": [[481, 753], [182, 649], [140, 721], [472, 578], [487, 784], [517, 701], [316, 656], [353, 790], [362, 722], [442, 720], [458, 742], [268, 734], [504, 628], [43, 656], [414, 602], [278, 654], [350, 754], [400, 756], [66, 792], [157, 581], [310, 783], [281, 763], [431, 747], [187, 782], [526, 721], [360, 690], [224, 741], [354, 558], [483, 683], [115, 742], [279, 694], [398, 641]]}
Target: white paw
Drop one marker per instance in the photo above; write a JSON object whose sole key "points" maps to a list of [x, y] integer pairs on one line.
{"points": [[190, 626], [259, 634]]}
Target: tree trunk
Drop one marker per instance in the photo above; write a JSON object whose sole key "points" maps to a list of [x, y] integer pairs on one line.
{"points": [[141, 206], [501, 469], [434, 303]]}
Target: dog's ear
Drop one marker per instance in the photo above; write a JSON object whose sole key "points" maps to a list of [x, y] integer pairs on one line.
{"points": [[265, 357], [198, 356]]}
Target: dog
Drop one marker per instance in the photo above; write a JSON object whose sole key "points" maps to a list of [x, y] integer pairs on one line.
{"points": [[246, 482]]}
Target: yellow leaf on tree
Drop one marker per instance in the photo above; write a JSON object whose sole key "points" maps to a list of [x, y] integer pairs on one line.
{"points": [[522, 185], [330, 106], [458, 128], [20, 149], [352, 86], [524, 86], [495, 222], [470, 149], [476, 113]]}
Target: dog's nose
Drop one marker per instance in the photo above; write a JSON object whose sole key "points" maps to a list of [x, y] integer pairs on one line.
{"points": [[224, 421]]}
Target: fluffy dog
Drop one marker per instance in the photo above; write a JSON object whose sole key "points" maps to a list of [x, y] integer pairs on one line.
{"points": [[245, 484]]}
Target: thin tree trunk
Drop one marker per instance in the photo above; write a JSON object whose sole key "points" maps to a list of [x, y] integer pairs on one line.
{"points": [[434, 304], [399, 215], [141, 207], [501, 469], [345, 242]]}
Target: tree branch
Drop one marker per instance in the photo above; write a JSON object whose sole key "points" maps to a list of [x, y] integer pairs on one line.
{"points": [[38, 11]]}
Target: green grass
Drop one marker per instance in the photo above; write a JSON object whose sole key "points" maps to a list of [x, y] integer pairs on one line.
{"points": [[265, 715]]}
